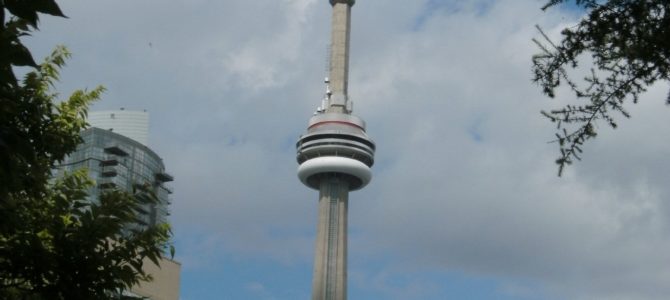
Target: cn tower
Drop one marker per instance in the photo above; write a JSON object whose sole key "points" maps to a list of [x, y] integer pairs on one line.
{"points": [[335, 156]]}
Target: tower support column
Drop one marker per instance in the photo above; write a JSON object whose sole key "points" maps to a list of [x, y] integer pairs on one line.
{"points": [[330, 260]]}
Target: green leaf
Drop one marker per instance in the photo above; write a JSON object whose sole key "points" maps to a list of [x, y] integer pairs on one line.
{"points": [[48, 7], [7, 76], [2, 17], [19, 55], [23, 9]]}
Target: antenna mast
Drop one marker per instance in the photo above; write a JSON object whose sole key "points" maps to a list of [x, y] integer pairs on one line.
{"points": [[339, 56]]}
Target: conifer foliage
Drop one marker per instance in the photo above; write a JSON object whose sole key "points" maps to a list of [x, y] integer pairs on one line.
{"points": [[628, 42]]}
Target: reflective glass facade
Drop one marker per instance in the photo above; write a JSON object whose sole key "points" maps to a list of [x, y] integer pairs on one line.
{"points": [[116, 161]]}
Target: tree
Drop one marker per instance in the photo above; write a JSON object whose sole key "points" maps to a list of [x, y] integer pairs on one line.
{"points": [[54, 242], [26, 134], [629, 44]]}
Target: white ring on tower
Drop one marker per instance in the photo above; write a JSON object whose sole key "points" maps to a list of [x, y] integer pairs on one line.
{"points": [[334, 164]]}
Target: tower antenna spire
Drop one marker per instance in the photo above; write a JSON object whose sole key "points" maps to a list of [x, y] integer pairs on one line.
{"points": [[335, 156], [339, 55]]}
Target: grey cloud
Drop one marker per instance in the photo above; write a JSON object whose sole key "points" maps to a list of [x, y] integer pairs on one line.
{"points": [[230, 85]]}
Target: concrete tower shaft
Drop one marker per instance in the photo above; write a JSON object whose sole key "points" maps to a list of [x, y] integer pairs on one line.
{"points": [[335, 156], [329, 281]]}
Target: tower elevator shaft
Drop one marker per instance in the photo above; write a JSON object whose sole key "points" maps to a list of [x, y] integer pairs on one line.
{"points": [[330, 260]]}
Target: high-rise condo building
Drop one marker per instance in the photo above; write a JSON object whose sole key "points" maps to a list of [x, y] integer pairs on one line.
{"points": [[115, 159], [116, 155]]}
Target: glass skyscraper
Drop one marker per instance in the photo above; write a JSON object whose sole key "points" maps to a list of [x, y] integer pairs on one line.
{"points": [[115, 153], [114, 160]]}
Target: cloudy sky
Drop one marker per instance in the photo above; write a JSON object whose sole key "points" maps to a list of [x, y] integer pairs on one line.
{"points": [[465, 202]]}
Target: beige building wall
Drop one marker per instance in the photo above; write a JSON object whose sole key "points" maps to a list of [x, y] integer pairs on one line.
{"points": [[165, 285]]}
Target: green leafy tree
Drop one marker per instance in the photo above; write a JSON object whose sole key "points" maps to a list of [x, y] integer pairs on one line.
{"points": [[54, 242], [28, 138], [628, 42]]}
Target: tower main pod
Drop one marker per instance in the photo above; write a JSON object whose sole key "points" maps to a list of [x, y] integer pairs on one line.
{"points": [[335, 156]]}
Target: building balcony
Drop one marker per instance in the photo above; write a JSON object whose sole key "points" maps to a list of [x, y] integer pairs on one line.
{"points": [[109, 171], [167, 188], [109, 162], [110, 182], [107, 185], [116, 150], [164, 177]]}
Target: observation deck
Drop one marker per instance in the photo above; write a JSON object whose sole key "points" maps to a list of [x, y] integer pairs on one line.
{"points": [[335, 144]]}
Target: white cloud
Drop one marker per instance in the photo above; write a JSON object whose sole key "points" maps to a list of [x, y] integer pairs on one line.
{"points": [[465, 179]]}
